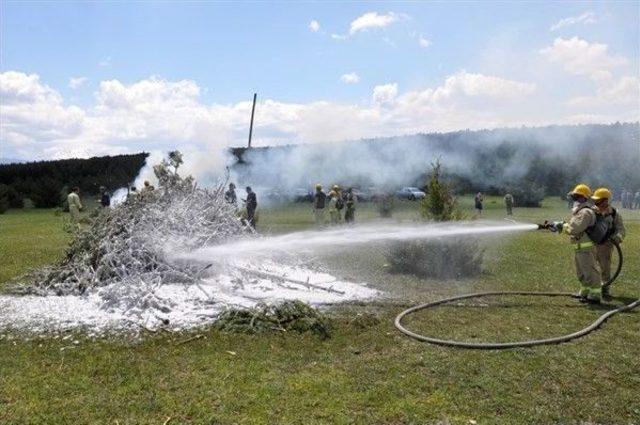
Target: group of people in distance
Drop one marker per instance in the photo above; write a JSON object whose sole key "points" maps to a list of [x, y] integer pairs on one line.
{"points": [[336, 201], [251, 202], [629, 200]]}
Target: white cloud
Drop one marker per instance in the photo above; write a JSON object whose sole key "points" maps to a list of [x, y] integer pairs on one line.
{"points": [[372, 20], [624, 91], [385, 93], [76, 82], [338, 37], [585, 18], [33, 112], [157, 114], [424, 42], [350, 78], [314, 26], [580, 57], [468, 84]]}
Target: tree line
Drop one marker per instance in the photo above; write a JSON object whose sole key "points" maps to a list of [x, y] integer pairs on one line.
{"points": [[46, 183]]}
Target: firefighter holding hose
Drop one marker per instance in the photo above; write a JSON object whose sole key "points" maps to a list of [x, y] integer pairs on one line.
{"points": [[615, 233], [583, 219]]}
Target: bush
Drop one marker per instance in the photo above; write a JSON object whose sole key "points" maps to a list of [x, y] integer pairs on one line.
{"points": [[4, 205], [439, 258], [439, 204]]}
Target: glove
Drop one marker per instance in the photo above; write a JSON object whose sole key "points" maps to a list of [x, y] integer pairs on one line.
{"points": [[556, 226]]}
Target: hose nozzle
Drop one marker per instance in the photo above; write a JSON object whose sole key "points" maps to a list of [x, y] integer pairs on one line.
{"points": [[544, 226]]}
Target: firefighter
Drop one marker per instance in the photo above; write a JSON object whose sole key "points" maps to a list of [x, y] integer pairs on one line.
{"points": [[334, 205], [616, 233], [105, 199], [252, 204], [75, 206], [350, 206], [147, 188], [230, 195], [478, 200], [508, 202], [583, 218], [319, 201]]}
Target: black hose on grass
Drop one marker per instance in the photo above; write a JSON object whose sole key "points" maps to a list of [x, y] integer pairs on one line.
{"points": [[503, 345]]}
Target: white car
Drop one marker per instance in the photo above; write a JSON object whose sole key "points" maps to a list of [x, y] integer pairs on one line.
{"points": [[410, 193]]}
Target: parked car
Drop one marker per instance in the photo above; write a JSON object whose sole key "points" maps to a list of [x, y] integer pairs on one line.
{"points": [[410, 193]]}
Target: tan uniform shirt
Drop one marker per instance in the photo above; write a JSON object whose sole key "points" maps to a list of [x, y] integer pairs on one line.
{"points": [[620, 231], [584, 218], [74, 201]]}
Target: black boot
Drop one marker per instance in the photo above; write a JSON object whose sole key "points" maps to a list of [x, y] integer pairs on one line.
{"points": [[606, 294]]}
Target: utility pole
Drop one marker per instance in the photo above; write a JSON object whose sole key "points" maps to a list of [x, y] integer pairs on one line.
{"points": [[253, 110]]}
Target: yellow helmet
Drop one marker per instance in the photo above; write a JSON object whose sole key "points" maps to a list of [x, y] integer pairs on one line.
{"points": [[601, 193], [318, 186], [581, 189], [336, 187]]}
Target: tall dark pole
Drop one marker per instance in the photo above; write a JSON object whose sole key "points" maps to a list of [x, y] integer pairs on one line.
{"points": [[253, 110]]}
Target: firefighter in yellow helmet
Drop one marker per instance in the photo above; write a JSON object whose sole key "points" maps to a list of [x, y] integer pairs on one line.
{"points": [[615, 231], [583, 218]]}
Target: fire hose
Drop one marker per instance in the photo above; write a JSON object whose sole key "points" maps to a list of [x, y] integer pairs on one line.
{"points": [[527, 343]]}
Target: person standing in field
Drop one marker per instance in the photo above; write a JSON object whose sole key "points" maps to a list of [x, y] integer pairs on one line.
{"points": [[319, 201], [334, 211], [636, 200], [478, 200], [105, 199], [350, 206], [252, 204], [230, 195], [508, 202], [616, 232], [75, 206]]}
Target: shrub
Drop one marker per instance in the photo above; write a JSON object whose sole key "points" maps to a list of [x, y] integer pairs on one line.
{"points": [[439, 204], [437, 258]]}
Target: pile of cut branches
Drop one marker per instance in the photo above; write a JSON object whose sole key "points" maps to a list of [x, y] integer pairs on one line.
{"points": [[128, 244], [287, 316]]}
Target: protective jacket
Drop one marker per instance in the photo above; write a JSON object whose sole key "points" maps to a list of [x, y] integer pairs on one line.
{"points": [[583, 217], [585, 251], [613, 218], [319, 200], [74, 205]]}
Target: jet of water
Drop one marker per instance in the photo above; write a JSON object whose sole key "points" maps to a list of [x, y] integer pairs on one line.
{"points": [[316, 240]]}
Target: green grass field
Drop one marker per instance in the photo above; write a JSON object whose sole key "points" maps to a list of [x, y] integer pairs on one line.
{"points": [[367, 372]]}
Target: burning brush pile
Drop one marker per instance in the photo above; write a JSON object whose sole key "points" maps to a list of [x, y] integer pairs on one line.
{"points": [[122, 271]]}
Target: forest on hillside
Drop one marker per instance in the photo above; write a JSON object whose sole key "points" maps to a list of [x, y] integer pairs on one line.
{"points": [[45, 183]]}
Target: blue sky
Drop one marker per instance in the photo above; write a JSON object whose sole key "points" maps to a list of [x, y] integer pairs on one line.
{"points": [[224, 51]]}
